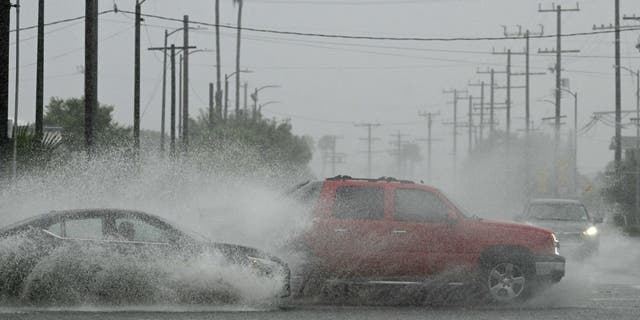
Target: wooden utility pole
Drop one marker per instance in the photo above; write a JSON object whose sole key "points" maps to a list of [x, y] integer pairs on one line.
{"points": [[429, 116], [185, 93], [14, 162], [480, 84], [211, 105], [172, 143], [90, 72], [164, 91], [179, 134], [369, 140], [238, 40], [136, 80], [527, 73], [456, 96], [218, 63], [618, 142], [5, 18], [508, 87], [558, 94], [492, 103], [399, 143], [245, 107], [40, 72], [164, 72]]}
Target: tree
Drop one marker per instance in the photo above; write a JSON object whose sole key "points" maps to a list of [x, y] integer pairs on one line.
{"points": [[68, 114], [251, 146], [620, 190]]}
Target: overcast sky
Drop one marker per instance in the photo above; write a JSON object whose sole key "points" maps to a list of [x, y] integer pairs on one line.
{"points": [[327, 85]]}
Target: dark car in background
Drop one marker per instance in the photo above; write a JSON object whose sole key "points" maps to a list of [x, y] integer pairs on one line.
{"points": [[570, 220], [119, 246]]}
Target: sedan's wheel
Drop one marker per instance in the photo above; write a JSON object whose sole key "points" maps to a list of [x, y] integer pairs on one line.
{"points": [[506, 282]]}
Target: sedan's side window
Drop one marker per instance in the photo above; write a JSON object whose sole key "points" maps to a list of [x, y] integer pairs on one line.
{"points": [[90, 228], [419, 206], [128, 229], [56, 229], [359, 202]]}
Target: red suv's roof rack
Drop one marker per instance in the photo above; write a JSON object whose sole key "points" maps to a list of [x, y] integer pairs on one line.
{"points": [[381, 179]]}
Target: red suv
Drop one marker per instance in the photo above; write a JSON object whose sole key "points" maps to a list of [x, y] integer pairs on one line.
{"points": [[386, 232]]}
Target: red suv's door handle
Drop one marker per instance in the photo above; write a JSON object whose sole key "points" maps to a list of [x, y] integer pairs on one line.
{"points": [[399, 231], [340, 230]]}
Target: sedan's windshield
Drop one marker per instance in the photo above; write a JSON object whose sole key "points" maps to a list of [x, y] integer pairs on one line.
{"points": [[557, 211]]}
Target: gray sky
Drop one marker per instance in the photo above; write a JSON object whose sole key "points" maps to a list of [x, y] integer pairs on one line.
{"points": [[329, 84]]}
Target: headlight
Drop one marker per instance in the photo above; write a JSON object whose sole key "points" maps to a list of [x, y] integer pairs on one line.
{"points": [[264, 266], [591, 231]]}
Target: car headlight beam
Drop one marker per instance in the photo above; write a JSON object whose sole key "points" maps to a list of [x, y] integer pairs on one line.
{"points": [[591, 231]]}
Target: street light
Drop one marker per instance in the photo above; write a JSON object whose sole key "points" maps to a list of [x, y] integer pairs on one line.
{"points": [[575, 137], [254, 96], [226, 89]]}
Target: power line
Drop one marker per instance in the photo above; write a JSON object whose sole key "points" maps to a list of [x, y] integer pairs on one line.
{"points": [[35, 26], [377, 38]]}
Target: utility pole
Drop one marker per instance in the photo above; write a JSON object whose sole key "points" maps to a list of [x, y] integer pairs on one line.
{"points": [[90, 71], [470, 123], [218, 63], [456, 97], [172, 143], [492, 104], [527, 73], [226, 96], [40, 72], [136, 80], [618, 151], [429, 116], [180, 96], [508, 87], [164, 78], [618, 108], [211, 104], [480, 84], [369, 140], [399, 156], [637, 153], [14, 163], [558, 70], [164, 91], [172, 56], [246, 88], [185, 106], [238, 40], [333, 155], [5, 17]]}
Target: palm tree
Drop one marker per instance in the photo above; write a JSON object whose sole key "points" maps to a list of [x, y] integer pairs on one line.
{"points": [[240, 3]]}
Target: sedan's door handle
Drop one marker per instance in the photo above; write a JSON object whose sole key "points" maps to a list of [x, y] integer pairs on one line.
{"points": [[399, 231], [340, 230]]}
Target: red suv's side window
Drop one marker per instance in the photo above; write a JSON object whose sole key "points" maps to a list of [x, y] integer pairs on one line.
{"points": [[359, 202], [419, 206]]}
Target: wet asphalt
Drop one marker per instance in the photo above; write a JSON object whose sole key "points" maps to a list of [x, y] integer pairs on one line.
{"points": [[606, 286]]}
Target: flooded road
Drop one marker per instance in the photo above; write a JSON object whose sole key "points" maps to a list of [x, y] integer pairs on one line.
{"points": [[602, 287]]}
